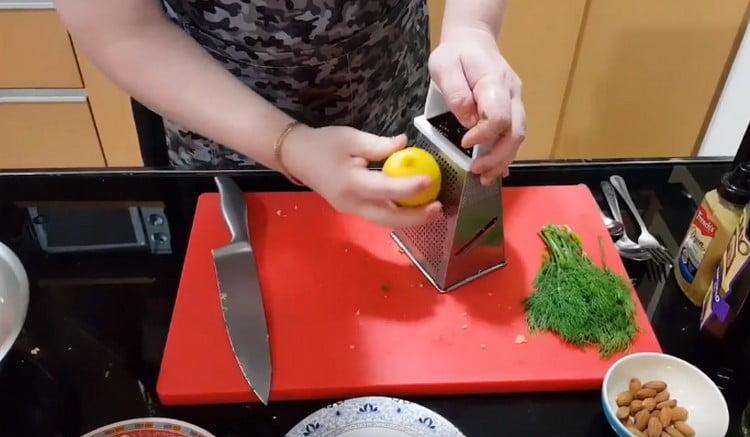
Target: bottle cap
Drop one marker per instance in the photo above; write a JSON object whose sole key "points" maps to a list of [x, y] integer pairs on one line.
{"points": [[735, 185]]}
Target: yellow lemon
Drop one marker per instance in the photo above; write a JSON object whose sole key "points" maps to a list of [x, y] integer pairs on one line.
{"points": [[413, 161]]}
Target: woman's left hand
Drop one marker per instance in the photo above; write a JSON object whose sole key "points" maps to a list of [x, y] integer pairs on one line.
{"points": [[484, 93]]}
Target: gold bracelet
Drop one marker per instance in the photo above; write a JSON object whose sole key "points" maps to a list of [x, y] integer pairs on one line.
{"points": [[277, 147]]}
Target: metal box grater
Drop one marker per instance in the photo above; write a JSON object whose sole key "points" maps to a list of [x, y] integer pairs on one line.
{"points": [[467, 242]]}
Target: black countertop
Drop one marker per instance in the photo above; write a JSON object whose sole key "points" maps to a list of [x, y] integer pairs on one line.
{"points": [[90, 351]]}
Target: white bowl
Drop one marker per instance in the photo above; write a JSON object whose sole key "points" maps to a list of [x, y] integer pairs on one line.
{"points": [[14, 298], [708, 414]]}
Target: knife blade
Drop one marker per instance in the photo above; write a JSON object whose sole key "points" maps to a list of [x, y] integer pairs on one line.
{"points": [[240, 295]]}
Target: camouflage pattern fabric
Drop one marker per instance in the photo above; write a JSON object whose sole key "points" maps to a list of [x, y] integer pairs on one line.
{"points": [[361, 63]]}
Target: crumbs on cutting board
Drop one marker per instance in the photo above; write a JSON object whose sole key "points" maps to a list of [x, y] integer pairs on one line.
{"points": [[358, 312], [483, 346], [520, 339], [352, 347], [34, 351], [465, 326]]}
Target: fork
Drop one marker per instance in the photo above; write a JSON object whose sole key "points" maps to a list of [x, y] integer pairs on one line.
{"points": [[646, 240], [627, 247]]}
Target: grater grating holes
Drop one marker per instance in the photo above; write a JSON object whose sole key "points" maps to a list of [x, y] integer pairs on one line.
{"points": [[430, 240]]}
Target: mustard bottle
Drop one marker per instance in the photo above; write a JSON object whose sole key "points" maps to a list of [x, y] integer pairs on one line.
{"points": [[709, 233]]}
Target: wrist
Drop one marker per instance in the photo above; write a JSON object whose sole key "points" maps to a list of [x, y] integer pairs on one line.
{"points": [[282, 150], [472, 30], [291, 153]]}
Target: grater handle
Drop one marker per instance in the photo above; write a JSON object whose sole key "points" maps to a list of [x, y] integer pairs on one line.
{"points": [[480, 150], [435, 106]]}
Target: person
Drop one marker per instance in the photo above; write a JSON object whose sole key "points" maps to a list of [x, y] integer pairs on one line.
{"points": [[316, 89]]}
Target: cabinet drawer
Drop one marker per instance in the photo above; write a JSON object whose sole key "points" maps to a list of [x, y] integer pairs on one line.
{"points": [[35, 49], [45, 130]]}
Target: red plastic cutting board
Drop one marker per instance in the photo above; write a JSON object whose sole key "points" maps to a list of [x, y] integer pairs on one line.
{"points": [[349, 315]]}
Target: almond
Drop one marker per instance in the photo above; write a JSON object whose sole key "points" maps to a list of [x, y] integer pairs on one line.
{"points": [[636, 432], [665, 416], [645, 393], [661, 396], [670, 403], [679, 414], [635, 385], [654, 427], [656, 385], [685, 429], [622, 413], [641, 419], [672, 431], [655, 414], [649, 404], [636, 406], [624, 398]]}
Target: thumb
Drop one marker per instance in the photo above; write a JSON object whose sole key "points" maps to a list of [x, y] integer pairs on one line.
{"points": [[377, 148], [451, 80]]}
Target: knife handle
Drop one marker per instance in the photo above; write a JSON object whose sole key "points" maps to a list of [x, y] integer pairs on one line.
{"points": [[233, 208]]}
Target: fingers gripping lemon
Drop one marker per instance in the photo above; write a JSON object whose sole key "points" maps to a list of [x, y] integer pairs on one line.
{"points": [[413, 161]]}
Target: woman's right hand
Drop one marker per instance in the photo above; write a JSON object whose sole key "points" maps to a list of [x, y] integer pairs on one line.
{"points": [[333, 162]]}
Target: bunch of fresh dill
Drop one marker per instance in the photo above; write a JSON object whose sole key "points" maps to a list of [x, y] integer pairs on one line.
{"points": [[576, 299]]}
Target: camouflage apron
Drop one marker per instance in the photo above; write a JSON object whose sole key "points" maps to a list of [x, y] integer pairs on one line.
{"points": [[361, 63]]}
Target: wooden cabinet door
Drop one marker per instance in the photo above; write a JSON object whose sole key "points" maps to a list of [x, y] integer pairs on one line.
{"points": [[48, 134], [538, 39], [646, 76], [35, 51], [113, 115]]}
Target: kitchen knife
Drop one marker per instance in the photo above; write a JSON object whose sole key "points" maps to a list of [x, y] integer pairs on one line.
{"points": [[239, 293]]}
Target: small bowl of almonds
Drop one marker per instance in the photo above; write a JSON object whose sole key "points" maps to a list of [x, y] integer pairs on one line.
{"points": [[658, 395]]}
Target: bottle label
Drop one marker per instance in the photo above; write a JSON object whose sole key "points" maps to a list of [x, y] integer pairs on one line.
{"points": [[700, 234], [726, 295], [719, 305]]}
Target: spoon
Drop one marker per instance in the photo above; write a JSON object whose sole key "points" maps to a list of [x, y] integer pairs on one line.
{"points": [[627, 247]]}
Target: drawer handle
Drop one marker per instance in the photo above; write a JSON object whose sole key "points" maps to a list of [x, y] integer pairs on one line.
{"points": [[26, 4], [42, 96]]}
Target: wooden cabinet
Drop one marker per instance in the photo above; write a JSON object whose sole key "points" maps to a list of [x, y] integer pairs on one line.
{"points": [[56, 109], [55, 130], [113, 115], [616, 79], [538, 39], [646, 76], [35, 51]]}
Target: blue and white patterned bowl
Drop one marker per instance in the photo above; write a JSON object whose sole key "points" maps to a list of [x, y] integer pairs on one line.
{"points": [[374, 416], [708, 414]]}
